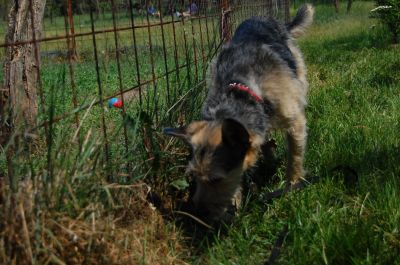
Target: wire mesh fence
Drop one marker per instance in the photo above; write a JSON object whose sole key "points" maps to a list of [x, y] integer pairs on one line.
{"points": [[152, 55]]}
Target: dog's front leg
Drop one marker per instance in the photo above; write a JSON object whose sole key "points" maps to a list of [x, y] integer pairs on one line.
{"points": [[296, 138]]}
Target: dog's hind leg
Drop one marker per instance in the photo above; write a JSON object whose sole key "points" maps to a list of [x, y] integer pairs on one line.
{"points": [[296, 138]]}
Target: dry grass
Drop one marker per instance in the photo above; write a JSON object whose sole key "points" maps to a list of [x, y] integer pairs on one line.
{"points": [[63, 211], [132, 233]]}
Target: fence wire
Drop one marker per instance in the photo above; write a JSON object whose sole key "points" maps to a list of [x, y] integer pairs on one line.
{"points": [[152, 55]]}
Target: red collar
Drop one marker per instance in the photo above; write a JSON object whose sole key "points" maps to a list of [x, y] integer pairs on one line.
{"points": [[247, 90]]}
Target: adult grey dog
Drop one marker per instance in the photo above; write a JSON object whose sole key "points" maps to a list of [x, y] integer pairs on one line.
{"points": [[257, 84]]}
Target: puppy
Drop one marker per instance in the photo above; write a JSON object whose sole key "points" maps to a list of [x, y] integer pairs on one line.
{"points": [[257, 83]]}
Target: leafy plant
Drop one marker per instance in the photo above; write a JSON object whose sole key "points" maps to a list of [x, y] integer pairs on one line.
{"points": [[388, 11]]}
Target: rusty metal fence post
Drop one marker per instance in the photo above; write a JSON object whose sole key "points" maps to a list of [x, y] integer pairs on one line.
{"points": [[226, 27], [74, 54]]}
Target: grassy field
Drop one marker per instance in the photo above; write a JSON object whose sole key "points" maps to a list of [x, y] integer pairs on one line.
{"points": [[67, 213], [352, 122]]}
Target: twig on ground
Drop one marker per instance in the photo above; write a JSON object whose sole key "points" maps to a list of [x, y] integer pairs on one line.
{"points": [[195, 218]]}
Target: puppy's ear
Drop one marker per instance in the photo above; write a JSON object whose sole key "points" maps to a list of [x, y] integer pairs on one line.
{"points": [[176, 132], [235, 136], [187, 132]]}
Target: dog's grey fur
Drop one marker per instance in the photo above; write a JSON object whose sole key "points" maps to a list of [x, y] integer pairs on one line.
{"points": [[263, 56]]}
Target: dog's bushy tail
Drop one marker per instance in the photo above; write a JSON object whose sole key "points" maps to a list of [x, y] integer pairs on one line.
{"points": [[301, 21]]}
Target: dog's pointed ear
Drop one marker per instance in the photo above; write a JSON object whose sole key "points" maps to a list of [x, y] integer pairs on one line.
{"points": [[179, 132], [235, 135]]}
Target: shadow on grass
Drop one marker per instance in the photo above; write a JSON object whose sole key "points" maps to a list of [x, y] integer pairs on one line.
{"points": [[369, 39], [360, 172], [342, 49], [383, 161]]}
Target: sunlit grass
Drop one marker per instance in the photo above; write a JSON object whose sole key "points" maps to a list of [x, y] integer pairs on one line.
{"points": [[353, 122]]}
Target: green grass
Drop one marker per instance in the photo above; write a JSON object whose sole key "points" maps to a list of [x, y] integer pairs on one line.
{"points": [[352, 115], [353, 121], [195, 39]]}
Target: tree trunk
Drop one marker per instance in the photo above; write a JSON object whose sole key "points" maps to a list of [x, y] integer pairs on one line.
{"points": [[349, 4], [18, 98], [336, 4], [21, 75]]}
